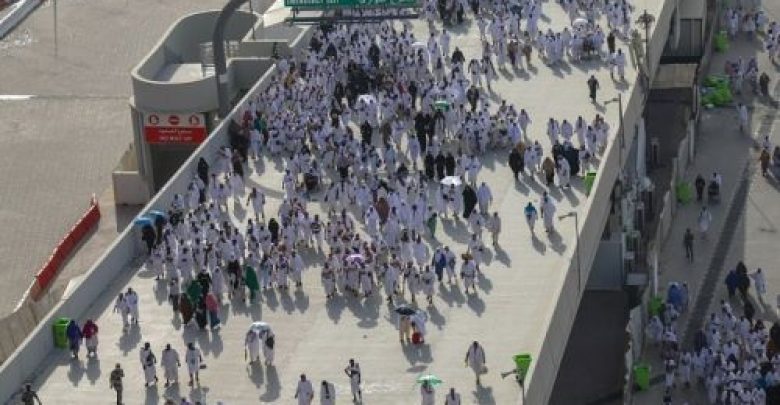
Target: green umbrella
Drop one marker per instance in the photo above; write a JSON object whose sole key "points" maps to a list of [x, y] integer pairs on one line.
{"points": [[442, 105], [429, 378]]}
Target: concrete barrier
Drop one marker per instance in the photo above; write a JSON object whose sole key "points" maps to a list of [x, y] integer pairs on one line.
{"points": [[23, 364], [17, 13], [64, 249]]}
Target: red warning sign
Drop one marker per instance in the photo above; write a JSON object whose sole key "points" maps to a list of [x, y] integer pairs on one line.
{"points": [[175, 128]]}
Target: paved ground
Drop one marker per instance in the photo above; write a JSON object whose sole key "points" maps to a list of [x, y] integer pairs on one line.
{"points": [[745, 224], [67, 139], [507, 316]]}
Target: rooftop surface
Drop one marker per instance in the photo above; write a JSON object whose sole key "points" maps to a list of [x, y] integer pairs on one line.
{"points": [[68, 137], [509, 315]]}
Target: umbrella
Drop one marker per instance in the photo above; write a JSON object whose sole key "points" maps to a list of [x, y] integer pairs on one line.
{"points": [[366, 98], [260, 327], [442, 105], [355, 257], [451, 181], [404, 309], [430, 379], [579, 22], [143, 221]]}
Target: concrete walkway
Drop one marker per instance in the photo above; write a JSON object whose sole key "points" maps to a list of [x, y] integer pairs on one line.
{"points": [[509, 315]]}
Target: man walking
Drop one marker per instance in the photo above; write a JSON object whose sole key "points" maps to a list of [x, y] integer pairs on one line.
{"points": [[148, 361], [494, 225], [29, 396], [742, 114], [475, 358], [453, 398], [705, 220], [688, 244], [304, 393], [115, 382], [327, 393], [169, 360], [131, 299], [353, 372], [193, 358], [530, 215], [763, 84]]}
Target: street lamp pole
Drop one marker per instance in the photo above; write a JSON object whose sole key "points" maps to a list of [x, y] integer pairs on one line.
{"points": [[54, 7], [577, 246], [251, 10], [646, 19], [220, 60]]}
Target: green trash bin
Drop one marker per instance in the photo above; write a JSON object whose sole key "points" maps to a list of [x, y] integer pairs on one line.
{"points": [[656, 303], [642, 376], [721, 42], [590, 178], [684, 192], [522, 364], [61, 333]]}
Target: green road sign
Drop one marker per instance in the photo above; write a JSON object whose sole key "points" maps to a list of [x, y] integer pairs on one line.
{"points": [[326, 4]]}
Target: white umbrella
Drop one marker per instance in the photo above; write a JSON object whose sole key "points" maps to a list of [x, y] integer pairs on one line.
{"points": [[451, 181], [355, 257], [366, 98], [260, 327], [579, 22]]}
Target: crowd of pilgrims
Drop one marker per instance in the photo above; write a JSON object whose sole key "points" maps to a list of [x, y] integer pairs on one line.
{"points": [[366, 124], [735, 357]]}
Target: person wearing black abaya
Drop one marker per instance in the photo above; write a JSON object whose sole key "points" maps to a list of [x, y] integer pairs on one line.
{"points": [[557, 150], [440, 165], [203, 171], [515, 162], [573, 157], [449, 164], [366, 133], [273, 227], [429, 164], [469, 200]]}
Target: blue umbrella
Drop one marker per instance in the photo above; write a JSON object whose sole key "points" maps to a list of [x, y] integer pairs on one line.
{"points": [[143, 221], [674, 295]]}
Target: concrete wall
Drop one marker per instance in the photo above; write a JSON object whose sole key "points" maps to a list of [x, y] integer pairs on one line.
{"points": [[181, 44], [112, 267], [247, 71], [659, 32], [15, 326], [196, 96], [607, 269]]}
